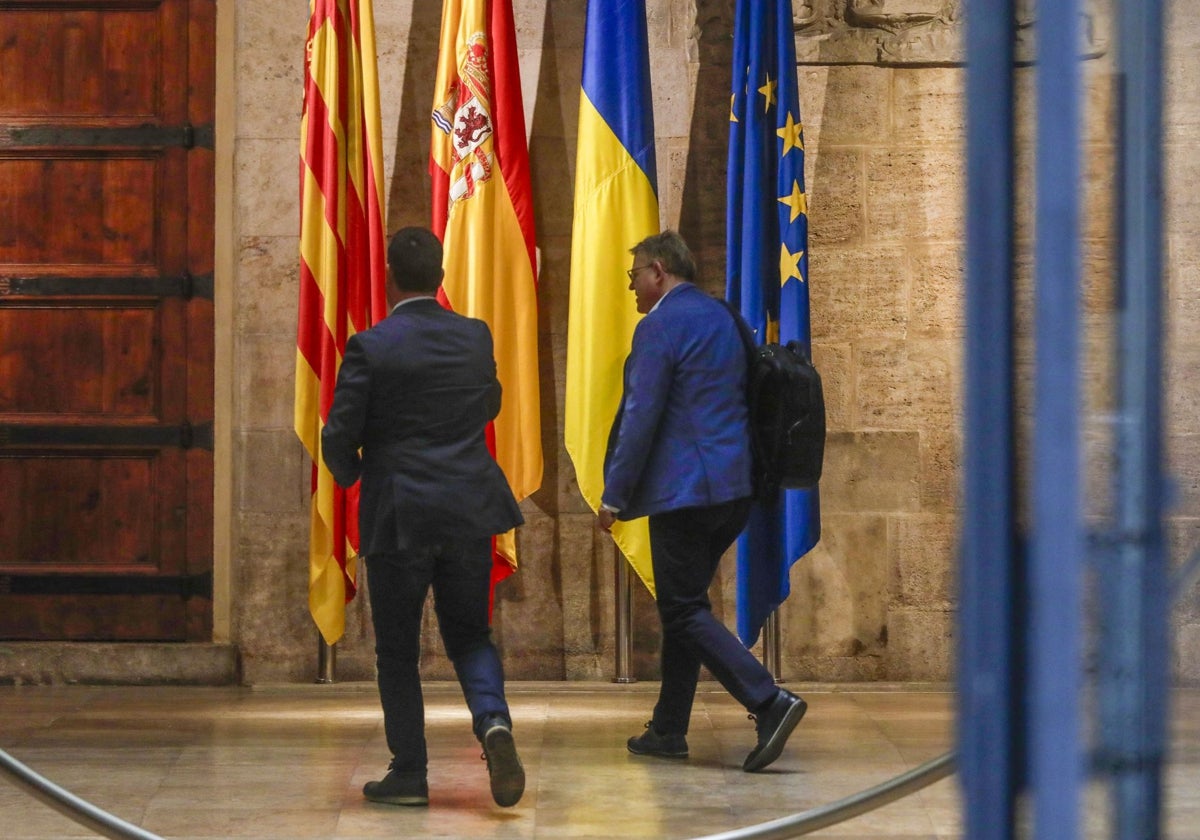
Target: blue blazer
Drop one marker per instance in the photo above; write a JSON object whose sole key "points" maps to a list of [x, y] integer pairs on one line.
{"points": [[681, 437], [416, 392]]}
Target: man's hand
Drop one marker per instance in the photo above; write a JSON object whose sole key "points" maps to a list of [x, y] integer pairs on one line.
{"points": [[606, 518]]}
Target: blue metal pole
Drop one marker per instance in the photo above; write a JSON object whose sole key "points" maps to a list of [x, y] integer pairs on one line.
{"points": [[1134, 639], [988, 720], [1056, 558]]}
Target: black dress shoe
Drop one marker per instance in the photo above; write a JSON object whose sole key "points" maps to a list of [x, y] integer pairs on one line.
{"points": [[774, 725], [651, 742], [503, 763], [398, 789]]}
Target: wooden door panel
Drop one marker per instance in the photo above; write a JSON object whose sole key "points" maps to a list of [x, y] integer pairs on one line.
{"points": [[83, 360], [105, 206], [66, 63], [106, 323], [92, 615], [112, 351], [87, 513]]}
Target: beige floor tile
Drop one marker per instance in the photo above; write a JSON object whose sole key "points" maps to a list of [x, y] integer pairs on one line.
{"points": [[290, 762], [279, 821]]}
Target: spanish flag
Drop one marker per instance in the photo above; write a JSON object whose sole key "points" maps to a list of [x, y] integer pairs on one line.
{"points": [[483, 212], [342, 272], [616, 206]]}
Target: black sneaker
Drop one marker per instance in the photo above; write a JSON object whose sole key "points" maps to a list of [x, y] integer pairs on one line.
{"points": [[651, 742], [774, 725], [398, 789], [504, 765]]}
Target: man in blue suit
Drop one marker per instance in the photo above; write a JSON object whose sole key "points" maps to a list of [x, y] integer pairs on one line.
{"points": [[415, 393], [679, 452]]}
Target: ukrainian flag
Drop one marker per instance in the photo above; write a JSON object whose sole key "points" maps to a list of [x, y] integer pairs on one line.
{"points": [[767, 271], [616, 206]]}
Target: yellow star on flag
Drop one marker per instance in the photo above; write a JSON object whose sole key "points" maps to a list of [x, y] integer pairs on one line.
{"points": [[768, 91], [798, 201], [789, 264], [732, 102], [790, 132]]}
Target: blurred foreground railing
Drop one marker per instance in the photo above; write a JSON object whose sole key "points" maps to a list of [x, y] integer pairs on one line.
{"points": [[852, 806], [68, 804]]}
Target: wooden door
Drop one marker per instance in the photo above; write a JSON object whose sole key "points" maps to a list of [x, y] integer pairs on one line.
{"points": [[106, 319]]}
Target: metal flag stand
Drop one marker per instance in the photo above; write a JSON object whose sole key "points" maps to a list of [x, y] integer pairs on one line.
{"points": [[623, 592], [772, 649], [326, 661]]}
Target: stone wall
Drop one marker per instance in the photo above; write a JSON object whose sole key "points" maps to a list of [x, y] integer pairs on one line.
{"points": [[882, 106], [1182, 409]]}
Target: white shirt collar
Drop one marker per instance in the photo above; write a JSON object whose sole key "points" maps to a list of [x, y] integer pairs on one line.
{"points": [[411, 299], [658, 303]]}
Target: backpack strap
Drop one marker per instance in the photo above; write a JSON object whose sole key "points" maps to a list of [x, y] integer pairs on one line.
{"points": [[763, 488], [744, 331]]}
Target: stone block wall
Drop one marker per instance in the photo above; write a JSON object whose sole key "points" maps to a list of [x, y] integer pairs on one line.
{"points": [[1182, 308], [882, 104]]}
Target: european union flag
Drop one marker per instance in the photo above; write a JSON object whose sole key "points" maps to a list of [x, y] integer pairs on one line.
{"points": [[767, 271]]}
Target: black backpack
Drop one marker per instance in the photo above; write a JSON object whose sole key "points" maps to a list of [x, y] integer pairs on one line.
{"points": [[787, 414]]}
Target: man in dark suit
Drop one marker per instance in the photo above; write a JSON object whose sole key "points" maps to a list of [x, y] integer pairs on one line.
{"points": [[415, 393], [679, 452]]}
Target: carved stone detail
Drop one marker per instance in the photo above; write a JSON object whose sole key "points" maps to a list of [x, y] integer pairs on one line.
{"points": [[804, 12], [890, 14], [912, 32]]}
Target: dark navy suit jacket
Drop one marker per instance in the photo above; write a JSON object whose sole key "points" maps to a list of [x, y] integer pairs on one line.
{"points": [[681, 437], [416, 393]]}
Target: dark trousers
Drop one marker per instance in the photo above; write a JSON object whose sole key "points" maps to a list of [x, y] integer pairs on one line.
{"points": [[460, 575], [686, 547]]}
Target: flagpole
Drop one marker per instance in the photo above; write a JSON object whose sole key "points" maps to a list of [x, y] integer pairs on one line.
{"points": [[772, 650], [624, 598], [326, 661], [342, 271]]}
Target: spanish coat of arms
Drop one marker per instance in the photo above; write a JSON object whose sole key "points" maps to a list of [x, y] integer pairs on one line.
{"points": [[465, 116]]}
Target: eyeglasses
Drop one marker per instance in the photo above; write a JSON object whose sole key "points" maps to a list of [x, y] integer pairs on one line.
{"points": [[632, 272]]}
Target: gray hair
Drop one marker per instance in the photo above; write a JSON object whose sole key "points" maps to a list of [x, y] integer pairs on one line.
{"points": [[668, 249]]}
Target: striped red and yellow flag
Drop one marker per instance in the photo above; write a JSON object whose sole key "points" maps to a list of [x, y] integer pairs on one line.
{"points": [[483, 211], [342, 269]]}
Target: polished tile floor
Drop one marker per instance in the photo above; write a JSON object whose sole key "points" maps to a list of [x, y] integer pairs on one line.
{"points": [[290, 762]]}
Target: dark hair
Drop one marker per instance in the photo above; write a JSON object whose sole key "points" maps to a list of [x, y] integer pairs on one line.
{"points": [[415, 257], [669, 249]]}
